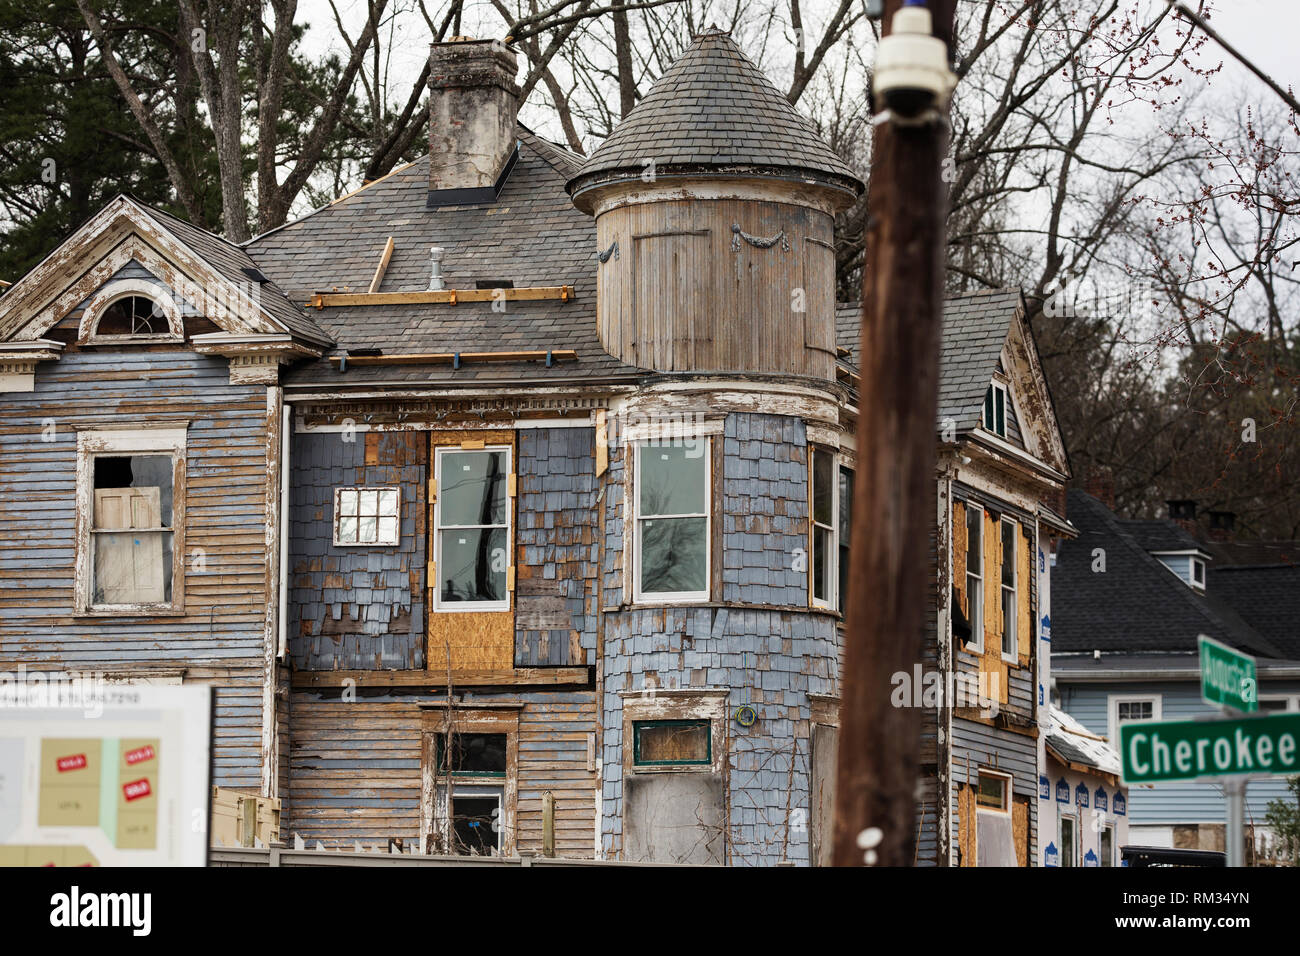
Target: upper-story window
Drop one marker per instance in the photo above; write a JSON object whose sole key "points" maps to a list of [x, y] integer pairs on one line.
{"points": [[672, 522], [367, 516], [1009, 582], [130, 550], [130, 312], [994, 416], [472, 523], [831, 512], [1198, 573], [975, 574]]}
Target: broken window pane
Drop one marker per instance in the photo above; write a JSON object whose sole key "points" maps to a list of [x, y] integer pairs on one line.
{"points": [[475, 824], [673, 555], [472, 488], [673, 480], [473, 754], [131, 537], [472, 564], [660, 742]]}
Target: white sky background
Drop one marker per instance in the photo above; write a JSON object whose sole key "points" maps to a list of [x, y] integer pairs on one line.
{"points": [[1263, 30]]}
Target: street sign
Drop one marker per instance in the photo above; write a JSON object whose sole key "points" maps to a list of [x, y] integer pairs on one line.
{"points": [[1156, 750], [1228, 677]]}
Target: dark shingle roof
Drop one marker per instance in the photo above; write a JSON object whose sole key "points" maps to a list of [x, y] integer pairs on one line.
{"points": [[975, 326], [1267, 598], [531, 235], [714, 108], [1137, 604], [1161, 535], [230, 260]]}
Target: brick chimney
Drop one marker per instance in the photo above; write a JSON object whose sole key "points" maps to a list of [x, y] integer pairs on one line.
{"points": [[473, 103], [1182, 512], [1223, 525], [1101, 485]]}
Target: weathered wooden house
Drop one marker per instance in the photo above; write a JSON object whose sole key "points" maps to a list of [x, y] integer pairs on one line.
{"points": [[505, 500]]}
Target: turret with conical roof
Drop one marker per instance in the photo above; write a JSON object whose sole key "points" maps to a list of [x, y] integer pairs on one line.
{"points": [[714, 202]]}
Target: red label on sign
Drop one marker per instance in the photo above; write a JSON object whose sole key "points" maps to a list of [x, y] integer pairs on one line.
{"points": [[136, 789], [75, 762], [139, 754]]}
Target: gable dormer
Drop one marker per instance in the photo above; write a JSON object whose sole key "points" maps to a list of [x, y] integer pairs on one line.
{"points": [[133, 277]]}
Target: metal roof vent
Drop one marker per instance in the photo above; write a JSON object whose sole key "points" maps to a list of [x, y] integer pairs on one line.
{"points": [[435, 269]]}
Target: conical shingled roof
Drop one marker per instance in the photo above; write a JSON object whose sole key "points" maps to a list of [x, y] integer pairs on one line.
{"points": [[715, 109]]}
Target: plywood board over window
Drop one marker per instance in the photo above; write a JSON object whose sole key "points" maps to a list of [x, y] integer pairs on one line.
{"points": [[476, 639]]}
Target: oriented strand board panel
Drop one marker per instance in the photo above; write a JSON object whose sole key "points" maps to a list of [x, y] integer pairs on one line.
{"points": [[476, 640], [959, 543], [991, 660]]}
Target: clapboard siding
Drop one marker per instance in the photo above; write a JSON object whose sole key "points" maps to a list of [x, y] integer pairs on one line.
{"points": [[1180, 700], [355, 768], [977, 746], [219, 639]]}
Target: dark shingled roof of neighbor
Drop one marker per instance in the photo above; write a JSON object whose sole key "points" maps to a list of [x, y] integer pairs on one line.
{"points": [[714, 107], [975, 326], [1137, 605]]}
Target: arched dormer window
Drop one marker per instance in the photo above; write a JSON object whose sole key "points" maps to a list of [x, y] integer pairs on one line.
{"points": [[130, 312]]}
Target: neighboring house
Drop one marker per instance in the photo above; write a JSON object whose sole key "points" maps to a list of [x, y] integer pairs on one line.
{"points": [[1131, 599], [1084, 804], [505, 500]]}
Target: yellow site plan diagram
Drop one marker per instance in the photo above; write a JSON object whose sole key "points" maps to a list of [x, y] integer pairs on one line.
{"points": [[106, 775]]}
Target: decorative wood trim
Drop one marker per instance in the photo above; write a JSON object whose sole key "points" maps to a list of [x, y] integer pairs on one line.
{"points": [[519, 676]]}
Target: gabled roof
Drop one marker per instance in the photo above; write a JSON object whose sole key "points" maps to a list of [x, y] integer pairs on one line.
{"points": [[1137, 605], [981, 331], [715, 109], [127, 228], [531, 235], [231, 261]]}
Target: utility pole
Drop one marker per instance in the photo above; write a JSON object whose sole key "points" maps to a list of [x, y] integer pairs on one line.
{"points": [[894, 500]]}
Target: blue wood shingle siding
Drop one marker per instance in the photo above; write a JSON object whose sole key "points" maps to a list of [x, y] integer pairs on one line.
{"points": [[1173, 802], [355, 607], [557, 540], [769, 658], [219, 640]]}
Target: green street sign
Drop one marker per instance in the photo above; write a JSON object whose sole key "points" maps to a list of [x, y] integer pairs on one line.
{"points": [[1156, 750], [1228, 677]]}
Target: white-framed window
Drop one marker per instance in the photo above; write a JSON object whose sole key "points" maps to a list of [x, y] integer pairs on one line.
{"points": [[830, 518], [1198, 573], [131, 520], [1279, 703], [995, 843], [131, 312], [1010, 532], [367, 516], [672, 514], [994, 415], [472, 526], [975, 574], [1067, 838], [1127, 707]]}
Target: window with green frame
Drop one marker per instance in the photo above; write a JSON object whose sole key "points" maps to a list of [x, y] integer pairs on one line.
{"points": [[671, 743], [473, 755], [994, 418]]}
